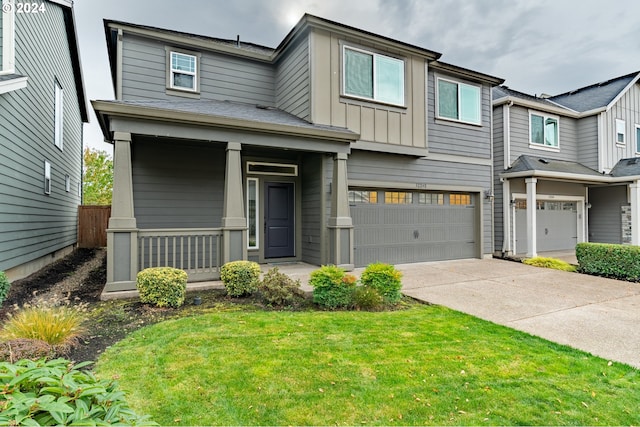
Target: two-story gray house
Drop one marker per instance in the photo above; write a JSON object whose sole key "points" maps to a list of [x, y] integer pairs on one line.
{"points": [[42, 110], [567, 167], [339, 147]]}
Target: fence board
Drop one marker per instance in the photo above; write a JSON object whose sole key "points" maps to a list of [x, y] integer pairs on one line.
{"points": [[92, 226]]}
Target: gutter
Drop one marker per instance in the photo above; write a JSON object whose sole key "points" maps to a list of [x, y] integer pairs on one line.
{"points": [[549, 108], [604, 179]]}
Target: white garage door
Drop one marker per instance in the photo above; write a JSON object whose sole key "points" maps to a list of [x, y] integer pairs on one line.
{"points": [[404, 227], [557, 226]]}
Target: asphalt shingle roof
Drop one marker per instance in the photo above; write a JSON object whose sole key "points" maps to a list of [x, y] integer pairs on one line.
{"points": [[504, 91], [594, 96], [541, 163], [626, 167]]}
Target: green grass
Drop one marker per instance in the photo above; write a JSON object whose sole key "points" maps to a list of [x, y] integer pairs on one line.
{"points": [[553, 263], [423, 365]]}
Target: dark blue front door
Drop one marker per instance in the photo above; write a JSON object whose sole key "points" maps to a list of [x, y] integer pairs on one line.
{"points": [[279, 220]]}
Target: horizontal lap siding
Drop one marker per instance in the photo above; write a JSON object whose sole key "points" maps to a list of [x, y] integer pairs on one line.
{"points": [[292, 82], [312, 218], [178, 185], [33, 224], [222, 77]]}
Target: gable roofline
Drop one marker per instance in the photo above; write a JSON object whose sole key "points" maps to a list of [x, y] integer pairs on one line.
{"points": [[522, 99], [625, 90]]}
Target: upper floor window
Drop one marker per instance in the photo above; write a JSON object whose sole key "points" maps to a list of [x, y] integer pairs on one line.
{"points": [[620, 132], [373, 76], [183, 71], [459, 101], [7, 37], [47, 177], [637, 138], [58, 116], [543, 130]]}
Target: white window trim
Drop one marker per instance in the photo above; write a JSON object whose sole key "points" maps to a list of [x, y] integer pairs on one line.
{"points": [[58, 116], [544, 116], [282, 165], [623, 124], [47, 177], [375, 90], [637, 127], [8, 38], [457, 82], [257, 184], [196, 80]]}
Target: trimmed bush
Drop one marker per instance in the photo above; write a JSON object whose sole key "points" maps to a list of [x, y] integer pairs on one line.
{"points": [[367, 298], [162, 286], [4, 286], [609, 260], [279, 289], [331, 288], [56, 392], [553, 263], [57, 323], [240, 278], [385, 279]]}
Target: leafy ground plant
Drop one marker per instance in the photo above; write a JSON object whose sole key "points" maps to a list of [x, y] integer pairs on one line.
{"points": [[58, 393], [553, 263], [425, 365]]}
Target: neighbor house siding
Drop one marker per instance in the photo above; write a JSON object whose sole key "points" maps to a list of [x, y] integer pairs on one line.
{"points": [[222, 77], [625, 109], [33, 224], [178, 184], [292, 81], [447, 137], [375, 122], [498, 168], [312, 217], [424, 174], [588, 142], [568, 137], [605, 215]]}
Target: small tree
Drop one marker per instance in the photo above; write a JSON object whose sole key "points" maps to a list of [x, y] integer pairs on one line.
{"points": [[97, 185]]}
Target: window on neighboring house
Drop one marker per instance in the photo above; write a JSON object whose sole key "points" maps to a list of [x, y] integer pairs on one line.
{"points": [[67, 183], [543, 130], [373, 76], [252, 212], [47, 177], [58, 116], [7, 37], [620, 132], [637, 138], [459, 101], [183, 71]]}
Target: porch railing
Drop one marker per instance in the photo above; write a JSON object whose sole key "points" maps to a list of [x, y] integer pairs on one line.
{"points": [[196, 251]]}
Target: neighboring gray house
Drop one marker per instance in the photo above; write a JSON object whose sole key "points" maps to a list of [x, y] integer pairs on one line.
{"points": [[574, 157], [339, 146], [42, 109]]}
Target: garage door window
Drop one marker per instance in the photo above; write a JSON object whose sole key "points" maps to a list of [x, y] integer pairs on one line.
{"points": [[363, 197], [398, 198], [431, 198], [460, 199]]}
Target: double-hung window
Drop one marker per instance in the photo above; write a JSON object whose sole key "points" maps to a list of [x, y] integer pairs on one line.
{"points": [[183, 73], [543, 130], [58, 119], [637, 138], [373, 76], [459, 101], [620, 132]]}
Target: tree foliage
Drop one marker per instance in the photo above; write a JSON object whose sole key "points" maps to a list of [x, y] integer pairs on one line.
{"points": [[97, 185]]}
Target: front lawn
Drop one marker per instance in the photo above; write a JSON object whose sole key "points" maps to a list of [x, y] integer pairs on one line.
{"points": [[423, 365]]}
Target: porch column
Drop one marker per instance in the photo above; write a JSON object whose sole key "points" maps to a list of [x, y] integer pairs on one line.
{"points": [[340, 223], [122, 232], [234, 222], [532, 227], [634, 200]]}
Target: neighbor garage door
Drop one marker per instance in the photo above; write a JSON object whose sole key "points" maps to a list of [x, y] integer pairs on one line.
{"points": [[403, 227], [557, 226]]}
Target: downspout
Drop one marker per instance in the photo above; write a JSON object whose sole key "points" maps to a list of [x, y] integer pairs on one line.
{"points": [[492, 169], [506, 188]]}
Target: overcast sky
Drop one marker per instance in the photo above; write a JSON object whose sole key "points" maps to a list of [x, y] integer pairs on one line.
{"points": [[537, 46]]}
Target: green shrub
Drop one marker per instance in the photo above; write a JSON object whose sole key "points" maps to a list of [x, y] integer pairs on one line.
{"points": [[4, 286], [279, 289], [58, 393], [553, 263], [331, 288], [367, 298], [162, 286], [385, 279], [57, 323], [240, 278], [602, 259]]}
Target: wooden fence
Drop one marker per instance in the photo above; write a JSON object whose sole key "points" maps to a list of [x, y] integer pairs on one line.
{"points": [[92, 226]]}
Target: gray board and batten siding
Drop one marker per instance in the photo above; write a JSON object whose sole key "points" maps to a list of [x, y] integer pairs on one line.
{"points": [[32, 223]]}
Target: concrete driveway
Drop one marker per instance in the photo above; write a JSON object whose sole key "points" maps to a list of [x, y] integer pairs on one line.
{"points": [[597, 315]]}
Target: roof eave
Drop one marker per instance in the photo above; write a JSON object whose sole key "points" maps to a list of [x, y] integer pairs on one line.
{"points": [[565, 176], [622, 92], [76, 63], [104, 109], [464, 72]]}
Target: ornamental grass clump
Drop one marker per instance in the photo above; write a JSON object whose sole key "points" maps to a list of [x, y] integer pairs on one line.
{"points": [[240, 278], [552, 263], [4, 286], [56, 322], [385, 279], [162, 286], [332, 288]]}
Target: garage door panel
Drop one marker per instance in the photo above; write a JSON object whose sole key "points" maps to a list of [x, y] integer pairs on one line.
{"points": [[556, 229]]}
